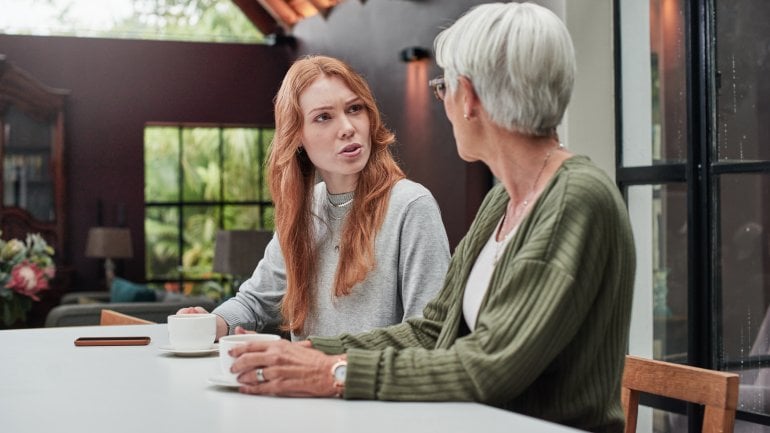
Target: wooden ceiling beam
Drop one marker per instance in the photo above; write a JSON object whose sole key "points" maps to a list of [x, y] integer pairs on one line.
{"points": [[257, 15], [266, 15], [323, 6], [303, 8], [281, 12]]}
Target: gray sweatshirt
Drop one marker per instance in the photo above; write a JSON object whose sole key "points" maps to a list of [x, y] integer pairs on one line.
{"points": [[411, 253]]}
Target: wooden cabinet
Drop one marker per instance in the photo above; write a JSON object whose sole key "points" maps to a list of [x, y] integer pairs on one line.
{"points": [[31, 150]]}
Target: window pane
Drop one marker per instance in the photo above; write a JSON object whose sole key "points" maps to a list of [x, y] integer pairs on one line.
{"points": [[654, 83], [745, 282], [268, 217], [161, 233], [670, 270], [267, 139], [242, 167], [161, 162], [200, 227], [669, 85], [242, 218], [743, 90], [200, 164], [660, 230], [202, 21]]}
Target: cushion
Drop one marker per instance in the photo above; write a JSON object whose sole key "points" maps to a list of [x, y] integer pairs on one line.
{"points": [[126, 291]]}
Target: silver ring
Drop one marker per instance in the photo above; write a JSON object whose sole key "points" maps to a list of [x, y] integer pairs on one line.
{"points": [[260, 376]]}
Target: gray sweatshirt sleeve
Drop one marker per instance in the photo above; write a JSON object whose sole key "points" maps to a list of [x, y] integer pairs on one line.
{"points": [[258, 301], [423, 255]]}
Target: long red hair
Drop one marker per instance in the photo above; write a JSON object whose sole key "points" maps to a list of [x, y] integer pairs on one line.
{"points": [[292, 177]]}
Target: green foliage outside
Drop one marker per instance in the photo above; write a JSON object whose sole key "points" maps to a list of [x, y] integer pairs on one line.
{"points": [[222, 186], [186, 20]]}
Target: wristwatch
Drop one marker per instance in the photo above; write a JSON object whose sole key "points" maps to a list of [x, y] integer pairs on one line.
{"points": [[339, 372]]}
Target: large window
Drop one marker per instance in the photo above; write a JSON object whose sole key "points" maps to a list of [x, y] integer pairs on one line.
{"points": [[181, 20], [695, 166], [199, 180]]}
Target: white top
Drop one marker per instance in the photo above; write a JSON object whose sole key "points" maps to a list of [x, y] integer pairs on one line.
{"points": [[49, 385], [481, 274]]}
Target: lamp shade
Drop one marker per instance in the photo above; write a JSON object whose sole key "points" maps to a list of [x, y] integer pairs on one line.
{"points": [[237, 252], [109, 243]]}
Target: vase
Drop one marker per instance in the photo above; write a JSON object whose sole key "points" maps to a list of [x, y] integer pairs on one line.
{"points": [[13, 311]]}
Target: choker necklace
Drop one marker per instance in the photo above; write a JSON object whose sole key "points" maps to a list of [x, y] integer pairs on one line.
{"points": [[343, 204], [339, 200]]}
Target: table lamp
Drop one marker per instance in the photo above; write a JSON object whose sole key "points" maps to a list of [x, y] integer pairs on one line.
{"points": [[109, 243], [237, 252]]}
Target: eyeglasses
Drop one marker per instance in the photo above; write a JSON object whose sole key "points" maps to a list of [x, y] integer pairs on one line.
{"points": [[439, 87]]}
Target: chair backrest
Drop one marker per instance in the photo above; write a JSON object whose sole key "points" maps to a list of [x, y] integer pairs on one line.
{"points": [[111, 317], [716, 390]]}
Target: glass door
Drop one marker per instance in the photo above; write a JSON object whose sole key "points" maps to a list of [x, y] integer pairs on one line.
{"points": [[694, 163]]}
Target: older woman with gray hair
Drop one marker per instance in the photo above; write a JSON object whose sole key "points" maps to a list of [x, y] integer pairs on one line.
{"points": [[534, 313]]}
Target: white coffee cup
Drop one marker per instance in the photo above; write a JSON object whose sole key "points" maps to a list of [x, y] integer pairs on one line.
{"points": [[192, 331], [228, 342]]}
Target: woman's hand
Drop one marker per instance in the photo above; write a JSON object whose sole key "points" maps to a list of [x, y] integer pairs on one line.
{"points": [[289, 369], [239, 330], [221, 324], [192, 310]]}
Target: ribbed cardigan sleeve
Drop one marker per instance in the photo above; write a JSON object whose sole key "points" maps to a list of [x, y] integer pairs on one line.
{"points": [[552, 331]]}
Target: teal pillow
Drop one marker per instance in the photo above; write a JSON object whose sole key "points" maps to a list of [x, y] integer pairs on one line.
{"points": [[126, 291]]}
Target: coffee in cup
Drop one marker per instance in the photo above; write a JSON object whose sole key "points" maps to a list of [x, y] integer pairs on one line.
{"points": [[228, 342], [192, 331]]}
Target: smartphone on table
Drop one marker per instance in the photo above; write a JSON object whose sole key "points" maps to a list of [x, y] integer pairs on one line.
{"points": [[112, 341]]}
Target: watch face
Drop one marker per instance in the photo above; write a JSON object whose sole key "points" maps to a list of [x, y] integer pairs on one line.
{"points": [[340, 372]]}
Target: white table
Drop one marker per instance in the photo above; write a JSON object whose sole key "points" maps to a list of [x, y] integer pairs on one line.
{"points": [[47, 384]]}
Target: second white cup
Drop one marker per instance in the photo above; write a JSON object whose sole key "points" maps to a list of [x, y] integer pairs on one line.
{"points": [[228, 342]]}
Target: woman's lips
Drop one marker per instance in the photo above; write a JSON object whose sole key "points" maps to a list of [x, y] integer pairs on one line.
{"points": [[351, 150]]}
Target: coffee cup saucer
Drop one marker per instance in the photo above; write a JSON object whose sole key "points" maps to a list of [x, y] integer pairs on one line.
{"points": [[221, 379], [214, 348]]}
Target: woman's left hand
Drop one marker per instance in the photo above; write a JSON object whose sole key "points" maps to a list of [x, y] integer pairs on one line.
{"points": [[288, 369]]}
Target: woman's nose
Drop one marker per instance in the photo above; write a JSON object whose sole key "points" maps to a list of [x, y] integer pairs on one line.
{"points": [[346, 128]]}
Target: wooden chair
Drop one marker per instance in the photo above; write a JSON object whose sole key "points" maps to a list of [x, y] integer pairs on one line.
{"points": [[111, 317], [716, 390]]}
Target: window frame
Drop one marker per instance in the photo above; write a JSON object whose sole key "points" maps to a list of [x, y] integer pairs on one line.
{"points": [[180, 204], [701, 172]]}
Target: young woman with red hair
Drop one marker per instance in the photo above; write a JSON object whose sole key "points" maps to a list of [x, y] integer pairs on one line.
{"points": [[360, 249]]}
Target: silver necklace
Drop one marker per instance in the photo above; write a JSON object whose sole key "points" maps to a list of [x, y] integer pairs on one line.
{"points": [[337, 213], [519, 209], [335, 229]]}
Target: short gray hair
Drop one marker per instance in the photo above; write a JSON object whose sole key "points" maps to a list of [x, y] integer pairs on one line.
{"points": [[520, 59]]}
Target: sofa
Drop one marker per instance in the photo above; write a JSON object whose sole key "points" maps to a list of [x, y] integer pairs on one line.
{"points": [[84, 308]]}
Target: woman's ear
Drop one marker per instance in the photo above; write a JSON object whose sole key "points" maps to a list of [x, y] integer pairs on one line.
{"points": [[470, 100]]}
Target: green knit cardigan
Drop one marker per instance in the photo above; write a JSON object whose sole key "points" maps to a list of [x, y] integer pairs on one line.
{"points": [[552, 331]]}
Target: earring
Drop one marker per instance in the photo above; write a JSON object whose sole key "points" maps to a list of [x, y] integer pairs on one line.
{"points": [[466, 116], [300, 149]]}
